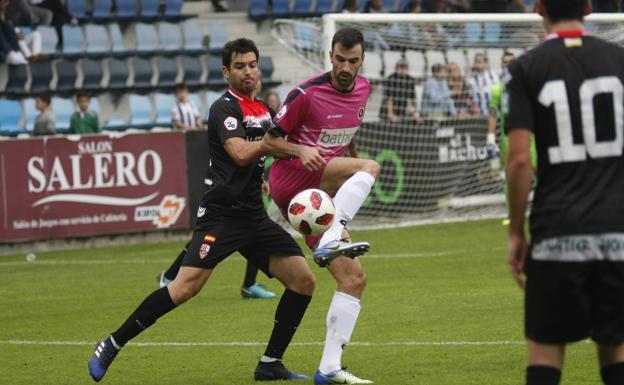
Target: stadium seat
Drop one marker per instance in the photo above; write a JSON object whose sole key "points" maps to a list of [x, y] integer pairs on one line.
{"points": [[492, 33], [140, 111], [117, 45], [30, 113], [170, 37], [149, 9], [327, 6], [473, 32], [126, 9], [390, 58], [98, 42], [417, 64], [102, 9], [63, 110], [17, 79], [280, 8], [373, 66], [215, 75], [92, 75], [193, 71], [218, 36], [266, 66], [390, 5], [193, 37], [303, 8], [10, 117], [164, 103], [258, 9], [41, 76], [143, 71], [146, 38], [196, 99], [118, 74], [211, 97], [116, 122], [66, 75], [94, 106], [167, 72], [173, 9], [73, 40], [49, 40], [77, 8], [307, 37]]}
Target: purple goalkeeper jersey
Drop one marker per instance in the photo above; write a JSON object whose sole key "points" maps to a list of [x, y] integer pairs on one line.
{"points": [[317, 114]]}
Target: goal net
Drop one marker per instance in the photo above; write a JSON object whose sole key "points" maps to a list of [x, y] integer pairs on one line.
{"points": [[434, 80]]}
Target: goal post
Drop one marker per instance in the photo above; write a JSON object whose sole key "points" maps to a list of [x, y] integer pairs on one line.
{"points": [[441, 72]]}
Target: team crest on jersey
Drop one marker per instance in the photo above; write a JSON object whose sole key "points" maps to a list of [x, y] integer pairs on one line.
{"points": [[230, 123], [205, 247], [281, 112], [360, 111]]}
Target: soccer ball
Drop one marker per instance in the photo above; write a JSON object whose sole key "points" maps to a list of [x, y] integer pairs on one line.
{"points": [[311, 212]]}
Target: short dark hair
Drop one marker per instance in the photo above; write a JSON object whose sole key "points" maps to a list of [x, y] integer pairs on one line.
{"points": [[44, 98], [348, 38], [436, 68], [238, 46], [558, 10], [180, 87], [82, 94]]}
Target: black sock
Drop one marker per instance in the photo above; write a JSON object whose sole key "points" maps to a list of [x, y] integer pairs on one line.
{"points": [[172, 272], [543, 375], [251, 272], [288, 316], [153, 307], [613, 374]]}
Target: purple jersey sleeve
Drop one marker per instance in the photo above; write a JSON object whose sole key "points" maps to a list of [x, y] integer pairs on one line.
{"points": [[293, 112]]}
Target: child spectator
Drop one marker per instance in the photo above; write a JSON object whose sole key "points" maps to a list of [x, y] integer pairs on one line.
{"points": [[184, 114], [84, 121], [44, 122]]}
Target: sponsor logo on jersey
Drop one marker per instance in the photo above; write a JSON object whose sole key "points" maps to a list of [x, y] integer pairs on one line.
{"points": [[360, 111], [281, 112], [230, 123], [331, 137]]}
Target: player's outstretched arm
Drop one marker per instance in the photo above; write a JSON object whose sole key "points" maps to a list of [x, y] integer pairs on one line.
{"points": [[311, 157], [242, 152], [519, 179]]}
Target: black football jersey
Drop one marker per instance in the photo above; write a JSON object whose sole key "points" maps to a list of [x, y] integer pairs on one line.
{"points": [[569, 91], [232, 189]]}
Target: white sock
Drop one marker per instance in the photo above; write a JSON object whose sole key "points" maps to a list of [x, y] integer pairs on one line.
{"points": [[268, 359], [341, 318], [348, 200]]}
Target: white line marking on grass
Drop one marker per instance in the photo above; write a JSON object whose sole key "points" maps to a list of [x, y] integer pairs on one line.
{"points": [[237, 344]]}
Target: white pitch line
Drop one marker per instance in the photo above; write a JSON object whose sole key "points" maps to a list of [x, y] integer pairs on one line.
{"points": [[165, 261], [237, 344]]}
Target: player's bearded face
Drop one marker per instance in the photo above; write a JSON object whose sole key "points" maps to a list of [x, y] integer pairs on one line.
{"points": [[243, 73], [346, 64]]}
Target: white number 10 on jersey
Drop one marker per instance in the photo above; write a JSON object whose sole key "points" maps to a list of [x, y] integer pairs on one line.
{"points": [[554, 92]]}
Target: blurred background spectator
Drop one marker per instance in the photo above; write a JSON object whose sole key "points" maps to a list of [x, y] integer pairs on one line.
{"points": [[399, 101], [23, 13], [374, 6], [497, 6], [45, 123], [461, 93], [351, 6], [9, 45], [84, 121], [436, 100], [481, 81], [272, 99], [184, 114], [605, 6]]}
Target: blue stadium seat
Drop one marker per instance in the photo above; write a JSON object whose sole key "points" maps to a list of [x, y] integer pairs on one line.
{"points": [[63, 110], [116, 122], [280, 8], [258, 9], [92, 75], [196, 99], [167, 72], [140, 111], [143, 71], [98, 42], [266, 67], [147, 39], [18, 76], [390, 6], [303, 8], [492, 33], [102, 9], [117, 45], [173, 8], [327, 6], [218, 36], [49, 40], [73, 40], [211, 97], [473, 32], [307, 36], [41, 76], [192, 71], [10, 117], [170, 37], [67, 75], [77, 8], [193, 36], [118, 74], [215, 75], [30, 113], [126, 9], [164, 103], [149, 9]]}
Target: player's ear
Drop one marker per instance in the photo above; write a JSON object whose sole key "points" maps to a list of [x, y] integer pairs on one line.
{"points": [[226, 72]]}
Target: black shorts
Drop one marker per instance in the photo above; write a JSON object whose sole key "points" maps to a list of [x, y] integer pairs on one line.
{"points": [[257, 239], [574, 295]]}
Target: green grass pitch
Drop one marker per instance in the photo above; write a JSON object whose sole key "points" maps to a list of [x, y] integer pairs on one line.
{"points": [[440, 309]]}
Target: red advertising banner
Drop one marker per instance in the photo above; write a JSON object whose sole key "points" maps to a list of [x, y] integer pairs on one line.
{"points": [[97, 184]]}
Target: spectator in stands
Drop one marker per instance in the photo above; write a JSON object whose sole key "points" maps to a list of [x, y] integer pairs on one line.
{"points": [[217, 6], [9, 44], [374, 6], [45, 122], [454, 6], [60, 15], [436, 100], [481, 81], [272, 99], [22, 12], [604, 6], [351, 6], [29, 42], [84, 121], [399, 102], [184, 114], [498, 6], [461, 92]]}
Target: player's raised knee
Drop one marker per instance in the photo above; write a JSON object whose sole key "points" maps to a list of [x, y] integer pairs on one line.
{"points": [[372, 167], [355, 284]]}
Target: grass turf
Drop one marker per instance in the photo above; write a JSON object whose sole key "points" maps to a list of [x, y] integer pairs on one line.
{"points": [[440, 308]]}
